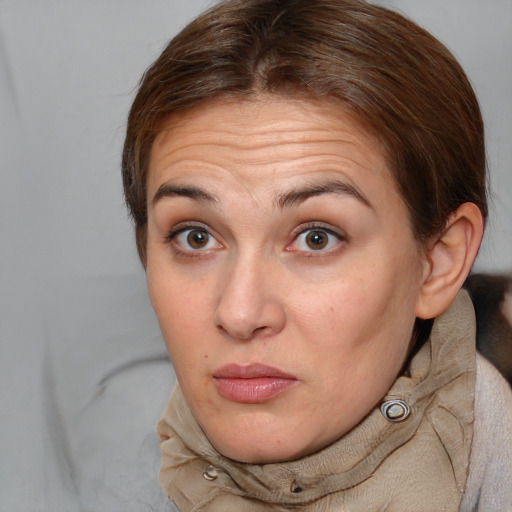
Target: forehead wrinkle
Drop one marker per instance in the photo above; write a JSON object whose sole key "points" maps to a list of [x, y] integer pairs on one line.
{"points": [[246, 128], [253, 137], [253, 141], [249, 179], [285, 152]]}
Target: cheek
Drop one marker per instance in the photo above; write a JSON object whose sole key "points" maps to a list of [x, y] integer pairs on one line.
{"points": [[342, 314], [360, 327], [181, 311]]}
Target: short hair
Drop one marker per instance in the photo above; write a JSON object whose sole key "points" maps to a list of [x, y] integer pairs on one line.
{"points": [[403, 86]]}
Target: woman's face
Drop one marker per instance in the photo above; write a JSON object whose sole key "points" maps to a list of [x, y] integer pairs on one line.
{"points": [[283, 271]]}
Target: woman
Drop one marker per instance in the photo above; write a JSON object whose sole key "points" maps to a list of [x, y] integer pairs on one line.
{"points": [[307, 181]]}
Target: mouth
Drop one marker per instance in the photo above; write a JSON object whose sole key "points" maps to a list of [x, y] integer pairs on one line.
{"points": [[252, 384]]}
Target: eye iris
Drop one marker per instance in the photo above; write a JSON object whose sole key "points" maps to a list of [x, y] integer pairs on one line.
{"points": [[316, 240], [197, 239]]}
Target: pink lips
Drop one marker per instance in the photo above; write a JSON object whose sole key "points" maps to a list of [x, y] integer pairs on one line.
{"points": [[251, 384]]}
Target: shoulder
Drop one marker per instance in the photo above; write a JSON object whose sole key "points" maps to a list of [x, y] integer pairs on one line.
{"points": [[489, 483]]}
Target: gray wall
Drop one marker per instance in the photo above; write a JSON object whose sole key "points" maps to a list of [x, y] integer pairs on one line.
{"points": [[73, 302]]}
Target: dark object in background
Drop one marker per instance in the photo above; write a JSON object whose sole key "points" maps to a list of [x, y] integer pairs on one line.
{"points": [[494, 330]]}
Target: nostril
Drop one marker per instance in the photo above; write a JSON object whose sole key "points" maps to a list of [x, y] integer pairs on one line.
{"points": [[240, 333], [244, 331]]}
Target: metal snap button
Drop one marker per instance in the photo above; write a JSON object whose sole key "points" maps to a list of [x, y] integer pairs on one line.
{"points": [[296, 488], [395, 410], [211, 474]]}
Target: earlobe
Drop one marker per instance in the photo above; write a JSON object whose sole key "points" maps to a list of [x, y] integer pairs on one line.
{"points": [[449, 259]]}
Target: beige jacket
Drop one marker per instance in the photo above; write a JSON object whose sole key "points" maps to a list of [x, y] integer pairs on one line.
{"points": [[419, 464]]}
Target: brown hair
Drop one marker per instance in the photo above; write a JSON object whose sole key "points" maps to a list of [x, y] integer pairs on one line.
{"points": [[401, 83]]}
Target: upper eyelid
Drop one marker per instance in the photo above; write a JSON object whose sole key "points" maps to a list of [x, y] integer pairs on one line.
{"points": [[316, 225], [179, 228]]}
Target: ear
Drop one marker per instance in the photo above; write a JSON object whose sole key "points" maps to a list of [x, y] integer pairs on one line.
{"points": [[449, 258]]}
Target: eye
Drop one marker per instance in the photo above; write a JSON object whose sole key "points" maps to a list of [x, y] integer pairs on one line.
{"points": [[194, 239], [316, 239]]}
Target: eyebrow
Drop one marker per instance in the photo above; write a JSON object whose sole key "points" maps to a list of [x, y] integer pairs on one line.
{"points": [[291, 198], [168, 190], [284, 200]]}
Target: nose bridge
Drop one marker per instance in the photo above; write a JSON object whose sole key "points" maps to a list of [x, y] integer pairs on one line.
{"points": [[249, 303]]}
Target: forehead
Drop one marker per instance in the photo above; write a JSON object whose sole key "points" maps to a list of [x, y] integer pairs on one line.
{"points": [[265, 138]]}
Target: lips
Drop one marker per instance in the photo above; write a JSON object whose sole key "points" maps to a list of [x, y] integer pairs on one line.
{"points": [[251, 384]]}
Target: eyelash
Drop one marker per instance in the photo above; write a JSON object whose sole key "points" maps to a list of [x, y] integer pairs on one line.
{"points": [[183, 228], [172, 236], [312, 227]]}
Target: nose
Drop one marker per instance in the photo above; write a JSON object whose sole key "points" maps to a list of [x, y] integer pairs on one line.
{"points": [[249, 302]]}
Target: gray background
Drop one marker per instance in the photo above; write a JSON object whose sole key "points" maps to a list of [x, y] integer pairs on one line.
{"points": [[82, 372]]}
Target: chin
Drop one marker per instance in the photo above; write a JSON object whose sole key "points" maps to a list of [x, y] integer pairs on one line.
{"points": [[261, 448], [257, 455]]}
